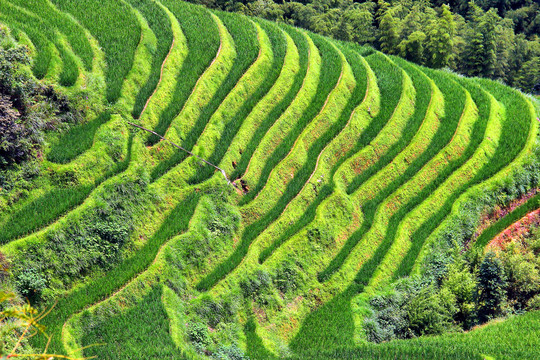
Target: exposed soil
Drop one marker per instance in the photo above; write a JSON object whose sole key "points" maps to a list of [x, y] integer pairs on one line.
{"points": [[499, 212], [519, 229]]}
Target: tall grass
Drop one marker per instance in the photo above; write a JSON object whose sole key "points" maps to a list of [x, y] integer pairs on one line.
{"points": [[117, 30], [423, 95], [490, 114], [38, 31], [515, 338], [337, 313], [76, 140], [328, 82], [145, 335], [258, 133], [249, 101], [342, 142], [63, 23], [45, 209], [328, 79]]}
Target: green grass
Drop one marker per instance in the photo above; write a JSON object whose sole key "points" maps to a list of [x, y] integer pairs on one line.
{"points": [[515, 338], [117, 30], [41, 211], [328, 81], [38, 31], [240, 29], [146, 335], [258, 134], [513, 139], [231, 129], [332, 324], [202, 50], [161, 26], [45, 209], [360, 74], [99, 288], [73, 31], [370, 167], [76, 140]]}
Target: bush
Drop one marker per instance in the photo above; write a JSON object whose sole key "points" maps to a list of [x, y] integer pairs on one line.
{"points": [[231, 352], [30, 284], [198, 335]]}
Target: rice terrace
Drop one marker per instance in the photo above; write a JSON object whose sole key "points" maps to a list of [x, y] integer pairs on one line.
{"points": [[181, 182]]}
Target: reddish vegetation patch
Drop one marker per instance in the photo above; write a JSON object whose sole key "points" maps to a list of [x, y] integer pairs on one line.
{"points": [[488, 219], [520, 228]]}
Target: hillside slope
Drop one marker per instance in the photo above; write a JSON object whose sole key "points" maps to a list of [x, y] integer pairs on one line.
{"points": [[350, 169]]}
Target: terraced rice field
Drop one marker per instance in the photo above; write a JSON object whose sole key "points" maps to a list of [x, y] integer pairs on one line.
{"points": [[347, 165]]}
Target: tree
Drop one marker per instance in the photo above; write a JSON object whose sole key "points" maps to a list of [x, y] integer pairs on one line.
{"points": [[528, 77], [440, 39], [388, 33], [491, 288], [412, 48]]}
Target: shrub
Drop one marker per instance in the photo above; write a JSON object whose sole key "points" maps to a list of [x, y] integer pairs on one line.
{"points": [[231, 352], [198, 335], [30, 283]]}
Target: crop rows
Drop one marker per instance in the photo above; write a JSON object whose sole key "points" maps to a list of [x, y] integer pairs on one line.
{"points": [[348, 164]]}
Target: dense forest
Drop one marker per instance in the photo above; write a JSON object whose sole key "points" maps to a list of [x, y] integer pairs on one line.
{"points": [[497, 39]]}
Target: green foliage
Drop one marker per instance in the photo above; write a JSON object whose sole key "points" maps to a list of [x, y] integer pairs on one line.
{"points": [[412, 309]]}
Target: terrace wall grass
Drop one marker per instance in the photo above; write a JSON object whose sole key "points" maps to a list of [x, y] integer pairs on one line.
{"points": [[252, 87], [211, 88], [480, 197], [332, 217], [76, 140], [354, 115], [360, 261], [57, 63], [72, 183], [139, 74], [280, 137], [164, 95], [301, 210], [179, 226], [491, 114], [299, 162], [285, 86], [511, 339], [318, 130], [96, 290], [283, 102], [201, 52]]}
